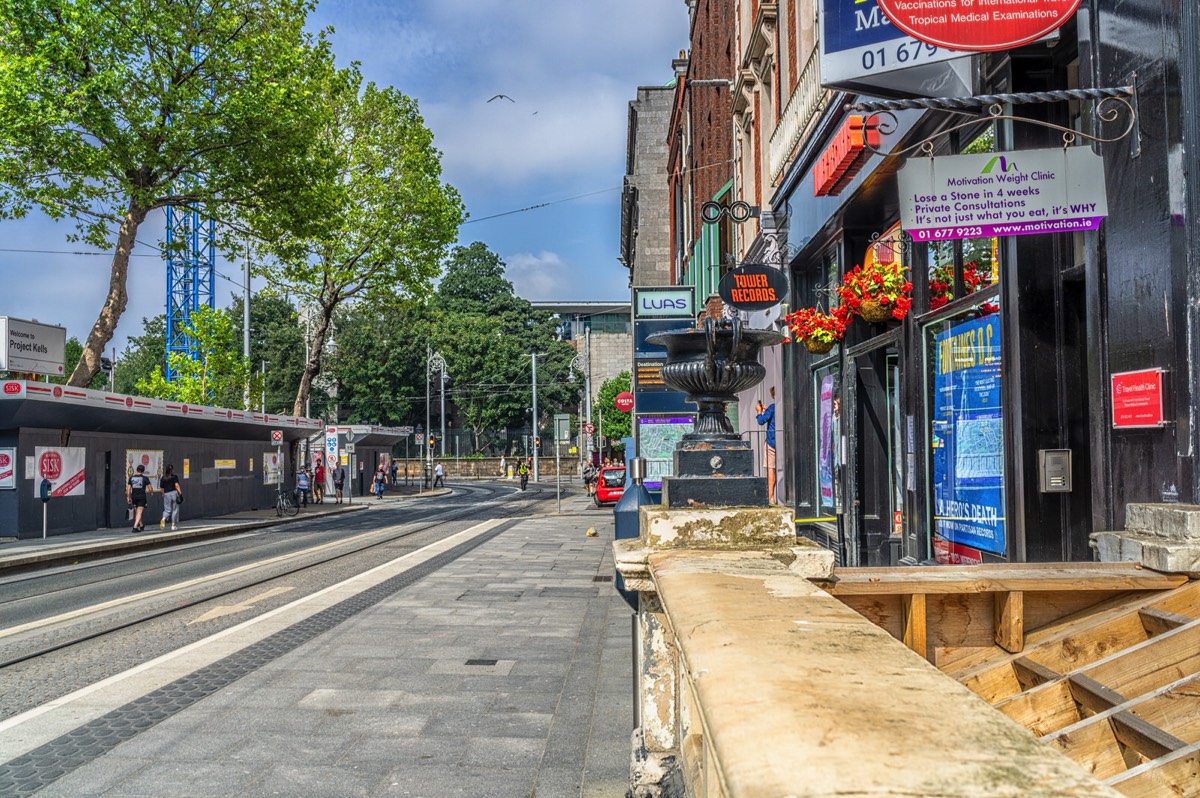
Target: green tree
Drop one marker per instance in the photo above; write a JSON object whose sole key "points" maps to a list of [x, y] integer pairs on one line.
{"points": [[379, 363], [617, 424], [395, 222], [143, 355], [118, 109], [218, 376], [276, 338]]}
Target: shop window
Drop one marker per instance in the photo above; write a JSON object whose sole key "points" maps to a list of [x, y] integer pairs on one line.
{"points": [[965, 421], [830, 452]]}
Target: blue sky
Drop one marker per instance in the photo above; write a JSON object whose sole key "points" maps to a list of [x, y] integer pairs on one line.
{"points": [[571, 66]]}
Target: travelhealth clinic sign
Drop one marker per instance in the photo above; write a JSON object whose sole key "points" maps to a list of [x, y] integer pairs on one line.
{"points": [[1058, 190], [859, 44], [664, 303]]}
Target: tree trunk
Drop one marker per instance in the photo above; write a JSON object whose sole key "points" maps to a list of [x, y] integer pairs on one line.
{"points": [[114, 305], [313, 367]]}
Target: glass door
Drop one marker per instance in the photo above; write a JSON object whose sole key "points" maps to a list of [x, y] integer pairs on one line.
{"points": [[878, 455]]}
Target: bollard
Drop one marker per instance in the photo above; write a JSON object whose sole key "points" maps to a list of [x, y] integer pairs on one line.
{"points": [[626, 520], [44, 492]]}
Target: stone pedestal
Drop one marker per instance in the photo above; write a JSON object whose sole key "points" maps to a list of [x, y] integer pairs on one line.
{"points": [[1165, 537], [714, 471]]}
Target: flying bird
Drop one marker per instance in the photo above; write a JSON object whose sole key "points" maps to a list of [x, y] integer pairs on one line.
{"points": [[503, 96]]}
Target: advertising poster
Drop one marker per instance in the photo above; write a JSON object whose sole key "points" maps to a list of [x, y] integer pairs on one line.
{"points": [[658, 437], [271, 468], [152, 459], [968, 436], [8, 469], [825, 442], [63, 466]]}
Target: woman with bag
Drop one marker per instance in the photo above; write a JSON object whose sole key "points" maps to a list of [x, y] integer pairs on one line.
{"points": [[172, 497]]}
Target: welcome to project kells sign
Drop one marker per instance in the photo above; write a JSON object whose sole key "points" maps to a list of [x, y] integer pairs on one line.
{"points": [[978, 25], [31, 348]]}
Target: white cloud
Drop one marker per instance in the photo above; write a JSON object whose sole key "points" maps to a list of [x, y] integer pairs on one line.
{"points": [[546, 276]]}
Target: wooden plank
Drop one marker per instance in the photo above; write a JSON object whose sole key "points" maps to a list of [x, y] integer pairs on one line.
{"points": [[1176, 775], [1147, 739], [915, 624], [1009, 620], [1031, 674], [1001, 577], [1152, 664], [1157, 621], [1092, 695], [1044, 709]]}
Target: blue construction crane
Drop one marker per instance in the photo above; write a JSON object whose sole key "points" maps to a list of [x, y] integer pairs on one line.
{"points": [[191, 266]]}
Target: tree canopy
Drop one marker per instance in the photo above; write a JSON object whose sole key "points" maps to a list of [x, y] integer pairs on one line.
{"points": [[617, 424], [219, 375], [115, 110]]}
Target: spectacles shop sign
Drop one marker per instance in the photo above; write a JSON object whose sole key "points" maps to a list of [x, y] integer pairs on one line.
{"points": [[1026, 192], [29, 347]]}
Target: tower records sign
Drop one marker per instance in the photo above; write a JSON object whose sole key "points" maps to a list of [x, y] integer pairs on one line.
{"points": [[978, 25], [753, 286]]}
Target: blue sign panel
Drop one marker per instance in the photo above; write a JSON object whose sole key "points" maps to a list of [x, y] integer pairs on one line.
{"points": [[968, 436], [859, 42]]}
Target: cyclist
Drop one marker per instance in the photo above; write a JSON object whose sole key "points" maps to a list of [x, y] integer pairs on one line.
{"points": [[523, 472]]}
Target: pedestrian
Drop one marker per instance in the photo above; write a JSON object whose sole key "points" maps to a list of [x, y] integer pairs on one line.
{"points": [[136, 489], [168, 483], [380, 478], [766, 415], [589, 479], [339, 481], [503, 467], [319, 483], [439, 476], [395, 473], [302, 486]]}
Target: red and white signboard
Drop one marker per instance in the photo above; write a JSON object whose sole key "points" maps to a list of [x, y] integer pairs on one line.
{"points": [[978, 26], [624, 401], [949, 553], [63, 466], [276, 436], [151, 461], [8, 469], [1137, 399], [589, 427]]}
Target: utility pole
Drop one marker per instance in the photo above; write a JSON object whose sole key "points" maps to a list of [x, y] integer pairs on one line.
{"points": [[443, 441], [535, 418], [587, 380], [428, 421], [246, 330]]}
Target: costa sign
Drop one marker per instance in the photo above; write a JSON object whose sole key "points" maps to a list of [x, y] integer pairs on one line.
{"points": [[978, 26], [624, 401]]}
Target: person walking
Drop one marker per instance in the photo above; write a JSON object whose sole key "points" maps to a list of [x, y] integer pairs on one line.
{"points": [[168, 483], [378, 482], [766, 415], [439, 476], [136, 488], [503, 467], [589, 479], [395, 473], [339, 481], [319, 483], [302, 486]]}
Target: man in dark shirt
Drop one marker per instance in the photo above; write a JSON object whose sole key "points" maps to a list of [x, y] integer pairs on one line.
{"points": [[135, 493]]}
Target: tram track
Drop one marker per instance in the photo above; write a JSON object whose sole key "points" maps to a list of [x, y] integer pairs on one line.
{"points": [[512, 505]]}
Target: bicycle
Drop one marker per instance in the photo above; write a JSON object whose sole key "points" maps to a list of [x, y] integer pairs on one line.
{"points": [[284, 505]]}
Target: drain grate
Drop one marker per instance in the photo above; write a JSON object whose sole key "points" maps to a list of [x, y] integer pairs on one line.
{"points": [[482, 661], [46, 764], [602, 578]]}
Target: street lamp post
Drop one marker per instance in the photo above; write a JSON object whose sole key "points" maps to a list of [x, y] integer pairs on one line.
{"points": [[434, 364], [535, 417]]}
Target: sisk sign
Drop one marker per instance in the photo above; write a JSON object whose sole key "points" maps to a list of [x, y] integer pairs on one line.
{"points": [[860, 46], [664, 303]]}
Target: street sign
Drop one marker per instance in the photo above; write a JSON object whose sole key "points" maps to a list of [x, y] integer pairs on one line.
{"points": [[420, 439], [276, 436], [562, 427], [349, 448], [589, 427]]}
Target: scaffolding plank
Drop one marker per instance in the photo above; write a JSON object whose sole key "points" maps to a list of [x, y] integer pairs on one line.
{"points": [[1176, 775], [1158, 621], [1002, 577]]}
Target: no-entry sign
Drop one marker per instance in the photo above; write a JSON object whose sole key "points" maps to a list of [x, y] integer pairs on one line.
{"points": [[978, 25]]}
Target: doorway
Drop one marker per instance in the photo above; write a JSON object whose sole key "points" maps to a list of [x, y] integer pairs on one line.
{"points": [[877, 509]]}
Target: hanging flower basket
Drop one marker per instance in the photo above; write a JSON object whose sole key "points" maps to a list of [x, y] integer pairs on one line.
{"points": [[818, 347], [817, 329], [875, 312], [877, 292]]}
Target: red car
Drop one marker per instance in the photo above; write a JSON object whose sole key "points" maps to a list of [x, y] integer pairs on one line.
{"points": [[610, 484]]}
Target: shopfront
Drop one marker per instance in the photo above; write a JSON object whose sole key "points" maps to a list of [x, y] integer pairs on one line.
{"points": [[978, 428]]}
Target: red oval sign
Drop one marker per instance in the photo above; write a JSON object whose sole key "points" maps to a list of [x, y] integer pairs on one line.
{"points": [[12, 387], [624, 401], [978, 25], [50, 466], [4, 460]]}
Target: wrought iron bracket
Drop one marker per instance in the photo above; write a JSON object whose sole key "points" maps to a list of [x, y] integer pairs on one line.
{"points": [[1110, 105]]}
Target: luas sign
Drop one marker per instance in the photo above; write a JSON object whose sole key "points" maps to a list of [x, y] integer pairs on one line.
{"points": [[978, 25], [664, 303]]}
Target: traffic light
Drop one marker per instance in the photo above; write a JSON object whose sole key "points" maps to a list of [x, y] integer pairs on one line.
{"points": [[432, 442], [537, 442]]}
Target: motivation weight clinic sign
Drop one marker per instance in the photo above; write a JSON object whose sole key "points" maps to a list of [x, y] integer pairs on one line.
{"points": [[1058, 190]]}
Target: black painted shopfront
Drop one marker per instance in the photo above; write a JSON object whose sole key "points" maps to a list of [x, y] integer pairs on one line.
{"points": [[979, 428]]}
